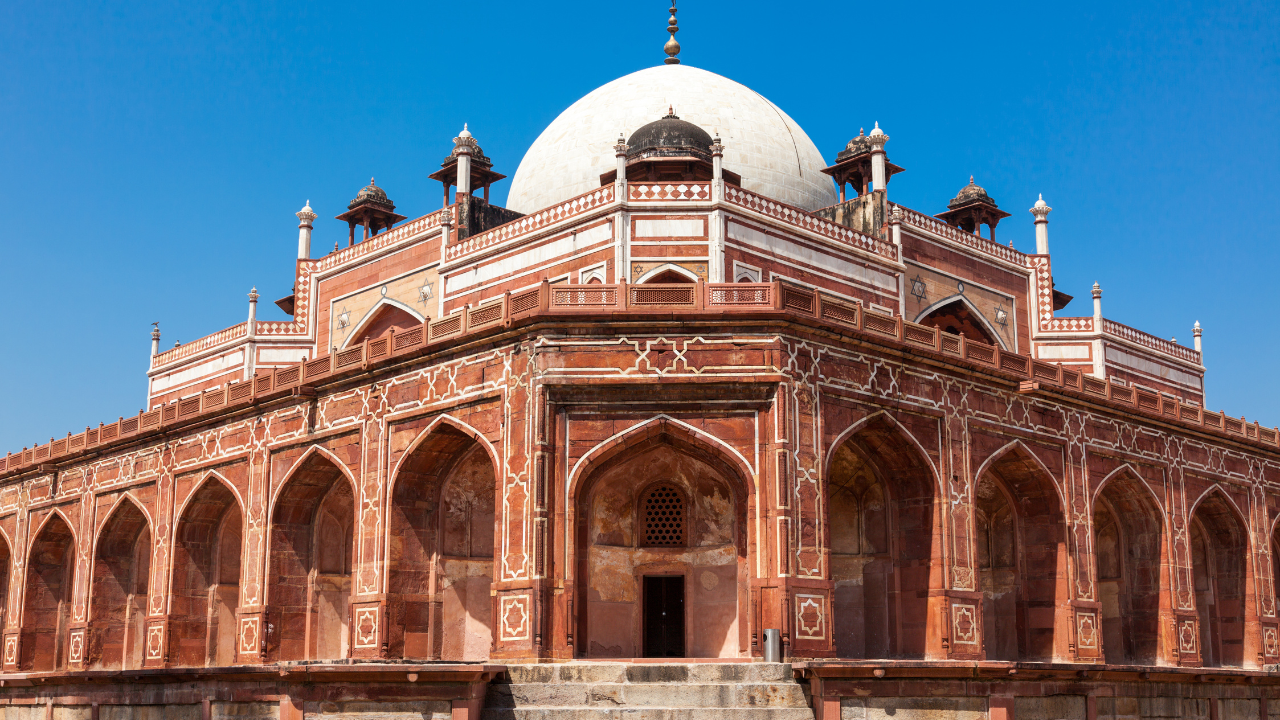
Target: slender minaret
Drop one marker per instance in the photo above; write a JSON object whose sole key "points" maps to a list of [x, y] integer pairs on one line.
{"points": [[717, 168], [1196, 332], [305, 216], [155, 339], [877, 138], [1097, 307], [1041, 210], [672, 48], [462, 149], [253, 311], [620, 156]]}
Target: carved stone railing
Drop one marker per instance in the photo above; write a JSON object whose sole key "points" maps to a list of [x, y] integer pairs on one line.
{"points": [[812, 223], [405, 231], [975, 242], [208, 342], [530, 223], [698, 301], [1149, 341]]}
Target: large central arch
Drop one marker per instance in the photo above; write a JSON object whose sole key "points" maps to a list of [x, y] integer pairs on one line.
{"points": [[660, 548]]}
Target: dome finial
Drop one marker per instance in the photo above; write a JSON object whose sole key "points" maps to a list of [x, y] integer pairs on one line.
{"points": [[672, 48]]}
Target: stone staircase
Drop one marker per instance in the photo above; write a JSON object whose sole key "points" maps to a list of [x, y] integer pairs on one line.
{"points": [[644, 691]]}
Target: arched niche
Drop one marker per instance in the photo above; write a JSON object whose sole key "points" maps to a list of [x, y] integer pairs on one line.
{"points": [[959, 317], [382, 319], [440, 550], [1129, 552], [883, 522], [46, 613], [1022, 557], [627, 575], [206, 578], [309, 573], [1219, 548], [118, 590]]}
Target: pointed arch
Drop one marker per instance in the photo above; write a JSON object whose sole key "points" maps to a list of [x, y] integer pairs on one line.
{"points": [[1129, 469], [204, 586], [119, 586], [657, 425], [442, 487], [434, 426], [49, 583], [310, 559], [664, 269], [1129, 543], [304, 457], [882, 531], [602, 531], [357, 332], [115, 508], [1216, 489], [983, 322], [1220, 543], [56, 511], [902, 430], [1021, 537], [1025, 452], [211, 476]]}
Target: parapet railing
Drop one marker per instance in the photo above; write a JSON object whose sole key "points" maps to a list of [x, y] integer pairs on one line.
{"points": [[976, 242], [231, 334], [1147, 340], [530, 223], [783, 301], [801, 219]]}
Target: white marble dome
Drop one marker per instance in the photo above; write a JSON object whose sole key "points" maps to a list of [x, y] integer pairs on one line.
{"points": [[762, 143]]}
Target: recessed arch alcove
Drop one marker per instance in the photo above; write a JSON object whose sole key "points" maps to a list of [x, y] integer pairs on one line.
{"points": [[1219, 550], [1129, 552], [883, 535], [309, 567], [660, 540], [440, 548], [118, 589], [205, 589], [1021, 541], [46, 612]]}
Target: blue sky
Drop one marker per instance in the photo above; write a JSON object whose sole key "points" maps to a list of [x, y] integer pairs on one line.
{"points": [[154, 153]]}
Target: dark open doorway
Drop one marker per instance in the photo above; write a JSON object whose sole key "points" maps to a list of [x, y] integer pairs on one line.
{"points": [[664, 616]]}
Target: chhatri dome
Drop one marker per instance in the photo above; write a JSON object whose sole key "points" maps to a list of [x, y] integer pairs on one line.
{"points": [[761, 143]]}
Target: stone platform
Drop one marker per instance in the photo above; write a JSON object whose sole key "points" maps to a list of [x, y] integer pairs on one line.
{"points": [[645, 691]]}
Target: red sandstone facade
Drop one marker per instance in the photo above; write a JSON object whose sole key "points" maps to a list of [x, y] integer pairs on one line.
{"points": [[483, 442]]}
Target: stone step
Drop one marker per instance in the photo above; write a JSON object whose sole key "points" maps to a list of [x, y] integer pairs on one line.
{"points": [[596, 672], [648, 694], [646, 713]]}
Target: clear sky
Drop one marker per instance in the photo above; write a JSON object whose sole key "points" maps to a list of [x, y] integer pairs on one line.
{"points": [[153, 154]]}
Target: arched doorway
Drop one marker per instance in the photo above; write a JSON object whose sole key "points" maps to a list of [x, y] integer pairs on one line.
{"points": [[661, 551], [440, 554], [206, 578], [1219, 546], [309, 591], [46, 614], [1022, 557], [119, 590], [1128, 530], [882, 519]]}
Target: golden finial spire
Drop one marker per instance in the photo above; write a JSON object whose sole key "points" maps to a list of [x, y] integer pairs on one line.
{"points": [[672, 47]]}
